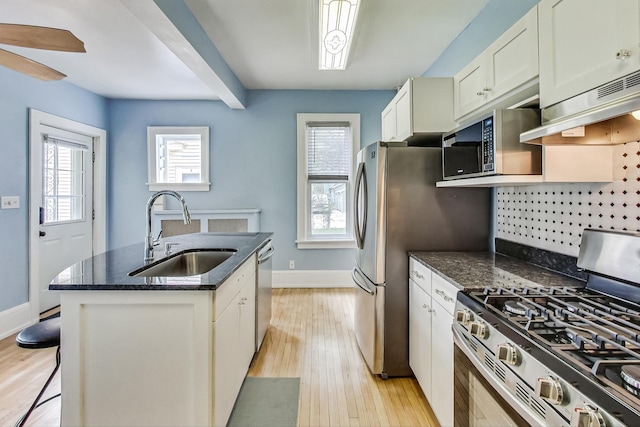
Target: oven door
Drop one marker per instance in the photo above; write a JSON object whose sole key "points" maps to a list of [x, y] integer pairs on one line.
{"points": [[479, 398]]}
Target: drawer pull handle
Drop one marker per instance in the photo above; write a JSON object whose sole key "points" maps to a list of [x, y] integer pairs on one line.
{"points": [[418, 275], [446, 297], [429, 309], [623, 54]]}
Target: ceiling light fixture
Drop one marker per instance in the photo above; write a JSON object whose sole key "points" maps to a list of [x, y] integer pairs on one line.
{"points": [[337, 24]]}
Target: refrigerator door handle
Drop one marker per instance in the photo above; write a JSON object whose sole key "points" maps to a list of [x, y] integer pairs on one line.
{"points": [[362, 284], [361, 184]]}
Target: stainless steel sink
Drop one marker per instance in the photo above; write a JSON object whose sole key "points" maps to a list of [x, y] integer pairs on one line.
{"points": [[187, 263]]}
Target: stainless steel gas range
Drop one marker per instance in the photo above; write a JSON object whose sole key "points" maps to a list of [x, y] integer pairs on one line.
{"points": [[557, 356]]}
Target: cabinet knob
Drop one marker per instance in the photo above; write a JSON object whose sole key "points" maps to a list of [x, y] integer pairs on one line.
{"points": [[623, 54]]}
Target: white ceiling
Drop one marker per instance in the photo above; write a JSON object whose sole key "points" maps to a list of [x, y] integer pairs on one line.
{"points": [[267, 44]]}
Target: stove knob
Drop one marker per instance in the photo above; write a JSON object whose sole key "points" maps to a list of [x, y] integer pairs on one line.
{"points": [[463, 316], [509, 354], [550, 390], [587, 416], [479, 329]]}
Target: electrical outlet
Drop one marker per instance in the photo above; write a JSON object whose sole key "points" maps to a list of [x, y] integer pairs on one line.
{"points": [[292, 265], [10, 202]]}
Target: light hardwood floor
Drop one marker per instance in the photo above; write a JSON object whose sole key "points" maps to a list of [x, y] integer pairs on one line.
{"points": [[311, 337]]}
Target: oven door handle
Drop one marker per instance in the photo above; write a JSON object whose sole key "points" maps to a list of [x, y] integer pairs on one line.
{"points": [[524, 411]]}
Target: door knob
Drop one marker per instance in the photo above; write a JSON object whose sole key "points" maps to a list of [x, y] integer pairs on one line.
{"points": [[43, 233]]}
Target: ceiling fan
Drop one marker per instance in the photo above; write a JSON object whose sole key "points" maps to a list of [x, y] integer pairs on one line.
{"points": [[37, 38]]}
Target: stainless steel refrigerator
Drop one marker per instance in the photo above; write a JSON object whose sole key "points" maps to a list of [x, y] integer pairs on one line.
{"points": [[399, 209]]}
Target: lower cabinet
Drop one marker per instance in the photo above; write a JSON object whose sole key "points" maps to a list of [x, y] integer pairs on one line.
{"points": [[442, 363], [420, 336], [234, 347], [161, 358], [431, 306]]}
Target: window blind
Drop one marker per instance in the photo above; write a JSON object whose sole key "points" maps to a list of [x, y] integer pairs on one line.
{"points": [[328, 151]]}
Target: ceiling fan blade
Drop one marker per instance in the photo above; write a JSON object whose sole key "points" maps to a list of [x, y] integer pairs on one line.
{"points": [[27, 66], [40, 38]]}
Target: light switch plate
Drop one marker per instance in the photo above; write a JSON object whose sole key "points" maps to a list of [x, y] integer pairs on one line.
{"points": [[10, 202]]}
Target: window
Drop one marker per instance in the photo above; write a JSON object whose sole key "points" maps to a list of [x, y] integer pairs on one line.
{"points": [[327, 146], [64, 164], [178, 158]]}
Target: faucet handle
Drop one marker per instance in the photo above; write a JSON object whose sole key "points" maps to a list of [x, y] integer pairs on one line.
{"points": [[156, 241], [167, 247]]}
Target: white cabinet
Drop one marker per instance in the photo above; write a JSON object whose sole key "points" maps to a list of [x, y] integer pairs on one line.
{"points": [[431, 306], [234, 341], [162, 358], [423, 106], [420, 336], [503, 74], [443, 302], [586, 43]]}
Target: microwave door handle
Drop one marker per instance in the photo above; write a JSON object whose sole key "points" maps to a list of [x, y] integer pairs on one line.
{"points": [[461, 342], [361, 192]]}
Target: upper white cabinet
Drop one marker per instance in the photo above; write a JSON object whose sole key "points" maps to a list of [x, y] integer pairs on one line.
{"points": [[422, 106], [586, 43], [502, 72]]}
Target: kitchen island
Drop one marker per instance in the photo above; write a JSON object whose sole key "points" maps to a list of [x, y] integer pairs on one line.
{"points": [[158, 350]]}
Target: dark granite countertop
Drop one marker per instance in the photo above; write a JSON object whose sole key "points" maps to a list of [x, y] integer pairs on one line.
{"points": [[110, 270], [469, 270]]}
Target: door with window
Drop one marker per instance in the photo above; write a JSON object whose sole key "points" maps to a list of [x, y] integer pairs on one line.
{"points": [[63, 164]]}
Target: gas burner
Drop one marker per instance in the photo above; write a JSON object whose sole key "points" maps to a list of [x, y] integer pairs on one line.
{"points": [[520, 308], [631, 376], [512, 306]]}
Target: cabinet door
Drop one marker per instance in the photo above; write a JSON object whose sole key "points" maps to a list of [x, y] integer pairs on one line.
{"points": [[225, 361], [513, 57], [469, 87], [389, 122], [583, 45], [404, 111], [442, 365], [420, 336], [247, 334]]}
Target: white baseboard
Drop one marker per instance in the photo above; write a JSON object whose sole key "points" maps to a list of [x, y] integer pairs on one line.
{"points": [[15, 319], [312, 279]]}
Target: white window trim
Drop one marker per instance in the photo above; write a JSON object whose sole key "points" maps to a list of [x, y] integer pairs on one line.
{"points": [[154, 185], [303, 203]]}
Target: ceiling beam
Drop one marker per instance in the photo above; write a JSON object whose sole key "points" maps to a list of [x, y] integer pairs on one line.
{"points": [[174, 24]]}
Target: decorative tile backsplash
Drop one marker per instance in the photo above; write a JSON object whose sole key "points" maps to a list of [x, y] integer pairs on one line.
{"points": [[553, 216]]}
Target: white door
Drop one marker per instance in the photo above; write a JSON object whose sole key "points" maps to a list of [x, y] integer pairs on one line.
{"points": [[64, 168]]}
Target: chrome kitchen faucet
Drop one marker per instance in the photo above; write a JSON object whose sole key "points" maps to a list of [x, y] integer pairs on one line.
{"points": [[150, 242]]}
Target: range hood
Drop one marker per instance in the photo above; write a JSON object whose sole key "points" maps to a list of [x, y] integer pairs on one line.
{"points": [[598, 117]]}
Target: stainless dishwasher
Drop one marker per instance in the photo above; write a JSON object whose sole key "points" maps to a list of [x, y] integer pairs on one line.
{"points": [[263, 292]]}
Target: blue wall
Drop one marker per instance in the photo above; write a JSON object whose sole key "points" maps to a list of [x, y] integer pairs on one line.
{"points": [[253, 152], [253, 160], [18, 93]]}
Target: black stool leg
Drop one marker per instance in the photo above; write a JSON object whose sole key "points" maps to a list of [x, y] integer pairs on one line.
{"points": [[35, 404]]}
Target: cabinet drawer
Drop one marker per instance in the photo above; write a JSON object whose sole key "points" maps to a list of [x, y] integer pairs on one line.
{"points": [[420, 274], [444, 293], [230, 288]]}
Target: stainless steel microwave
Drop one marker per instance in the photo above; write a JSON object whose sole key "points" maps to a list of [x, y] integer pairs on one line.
{"points": [[491, 146]]}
